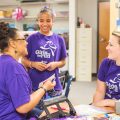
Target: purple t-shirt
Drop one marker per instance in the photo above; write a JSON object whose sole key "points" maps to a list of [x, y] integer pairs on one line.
{"points": [[15, 88], [45, 49], [109, 73]]}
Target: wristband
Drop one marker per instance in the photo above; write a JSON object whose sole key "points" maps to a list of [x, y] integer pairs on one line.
{"points": [[43, 89]]}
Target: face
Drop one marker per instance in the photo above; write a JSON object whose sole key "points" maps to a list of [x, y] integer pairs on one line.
{"points": [[45, 23], [21, 44], [113, 48]]}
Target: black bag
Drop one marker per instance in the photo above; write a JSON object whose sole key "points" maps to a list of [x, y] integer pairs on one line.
{"points": [[60, 113]]}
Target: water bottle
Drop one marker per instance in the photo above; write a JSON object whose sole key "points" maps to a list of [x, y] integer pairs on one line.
{"points": [[118, 25]]}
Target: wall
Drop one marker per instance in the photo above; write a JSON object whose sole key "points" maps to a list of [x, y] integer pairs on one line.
{"points": [[87, 10], [113, 15]]}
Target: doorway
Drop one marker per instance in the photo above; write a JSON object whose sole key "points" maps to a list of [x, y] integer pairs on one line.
{"points": [[103, 29]]}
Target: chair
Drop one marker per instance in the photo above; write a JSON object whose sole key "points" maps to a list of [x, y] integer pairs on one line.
{"points": [[68, 85], [66, 80]]}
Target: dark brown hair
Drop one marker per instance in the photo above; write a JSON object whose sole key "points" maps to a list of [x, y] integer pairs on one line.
{"points": [[47, 10], [6, 33]]}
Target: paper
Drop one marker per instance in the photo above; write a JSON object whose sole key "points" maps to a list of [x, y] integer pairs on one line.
{"points": [[51, 78], [75, 118], [88, 110]]}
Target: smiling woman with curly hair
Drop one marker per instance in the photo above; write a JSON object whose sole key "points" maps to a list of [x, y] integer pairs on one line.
{"points": [[16, 96]]}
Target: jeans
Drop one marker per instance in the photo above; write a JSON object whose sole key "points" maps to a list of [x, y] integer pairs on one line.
{"points": [[36, 111]]}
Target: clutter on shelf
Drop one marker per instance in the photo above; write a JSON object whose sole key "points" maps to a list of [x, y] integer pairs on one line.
{"points": [[62, 14], [30, 27], [64, 32], [19, 13], [81, 23], [6, 13]]}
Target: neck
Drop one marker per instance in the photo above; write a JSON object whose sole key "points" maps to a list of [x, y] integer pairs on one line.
{"points": [[12, 54], [47, 34], [118, 63]]}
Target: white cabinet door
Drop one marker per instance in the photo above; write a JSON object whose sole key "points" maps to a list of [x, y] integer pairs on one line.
{"points": [[84, 54]]}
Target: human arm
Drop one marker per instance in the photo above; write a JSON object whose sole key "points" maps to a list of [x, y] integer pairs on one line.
{"points": [[32, 64], [98, 99], [105, 103], [100, 91], [35, 97], [57, 64]]}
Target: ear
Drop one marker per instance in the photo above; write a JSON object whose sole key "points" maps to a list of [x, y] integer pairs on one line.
{"points": [[12, 43]]}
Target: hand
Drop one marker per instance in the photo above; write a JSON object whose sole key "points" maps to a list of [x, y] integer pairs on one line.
{"points": [[51, 66], [49, 85], [39, 66]]}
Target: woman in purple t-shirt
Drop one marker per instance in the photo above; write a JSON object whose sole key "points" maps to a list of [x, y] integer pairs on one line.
{"points": [[46, 52], [16, 96], [108, 83]]}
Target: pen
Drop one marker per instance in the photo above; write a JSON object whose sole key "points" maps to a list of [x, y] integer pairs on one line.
{"points": [[106, 115]]}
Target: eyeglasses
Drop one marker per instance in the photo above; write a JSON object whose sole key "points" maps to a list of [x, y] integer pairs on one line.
{"points": [[21, 39]]}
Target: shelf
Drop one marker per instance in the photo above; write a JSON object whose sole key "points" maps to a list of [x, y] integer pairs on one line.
{"points": [[7, 19], [28, 32], [34, 3], [33, 18], [38, 3]]}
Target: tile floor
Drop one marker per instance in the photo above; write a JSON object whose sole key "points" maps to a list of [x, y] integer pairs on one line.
{"points": [[82, 92]]}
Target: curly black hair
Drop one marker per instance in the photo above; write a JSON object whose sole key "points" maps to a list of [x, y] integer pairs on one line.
{"points": [[6, 33]]}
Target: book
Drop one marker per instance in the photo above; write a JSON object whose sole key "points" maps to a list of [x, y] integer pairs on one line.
{"points": [[88, 110]]}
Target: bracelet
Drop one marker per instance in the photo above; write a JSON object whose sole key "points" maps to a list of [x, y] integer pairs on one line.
{"points": [[43, 88]]}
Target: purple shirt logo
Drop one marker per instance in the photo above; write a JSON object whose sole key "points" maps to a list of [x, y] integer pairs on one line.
{"points": [[49, 46]]}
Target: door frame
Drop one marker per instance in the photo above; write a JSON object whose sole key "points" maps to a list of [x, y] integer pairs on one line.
{"points": [[98, 30]]}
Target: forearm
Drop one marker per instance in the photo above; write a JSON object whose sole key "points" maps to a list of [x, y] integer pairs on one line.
{"points": [[100, 91], [105, 103], [34, 100], [98, 96], [60, 63]]}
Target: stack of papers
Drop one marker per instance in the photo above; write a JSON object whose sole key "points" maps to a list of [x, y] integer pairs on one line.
{"points": [[88, 110]]}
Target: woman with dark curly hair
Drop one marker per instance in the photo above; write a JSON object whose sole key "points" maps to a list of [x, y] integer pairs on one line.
{"points": [[16, 96]]}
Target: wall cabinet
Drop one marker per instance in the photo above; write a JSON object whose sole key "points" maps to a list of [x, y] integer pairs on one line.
{"points": [[84, 54]]}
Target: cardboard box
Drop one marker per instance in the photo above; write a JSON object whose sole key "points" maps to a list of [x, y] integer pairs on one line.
{"points": [[8, 13]]}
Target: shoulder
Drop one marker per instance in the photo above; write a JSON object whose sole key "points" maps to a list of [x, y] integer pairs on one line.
{"points": [[15, 67], [58, 36], [106, 64], [104, 68], [33, 36], [107, 61]]}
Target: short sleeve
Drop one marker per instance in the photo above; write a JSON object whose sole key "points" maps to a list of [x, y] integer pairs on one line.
{"points": [[103, 69], [63, 53], [19, 88], [29, 46]]}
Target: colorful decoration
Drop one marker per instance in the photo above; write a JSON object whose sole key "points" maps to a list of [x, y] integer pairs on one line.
{"points": [[17, 14]]}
